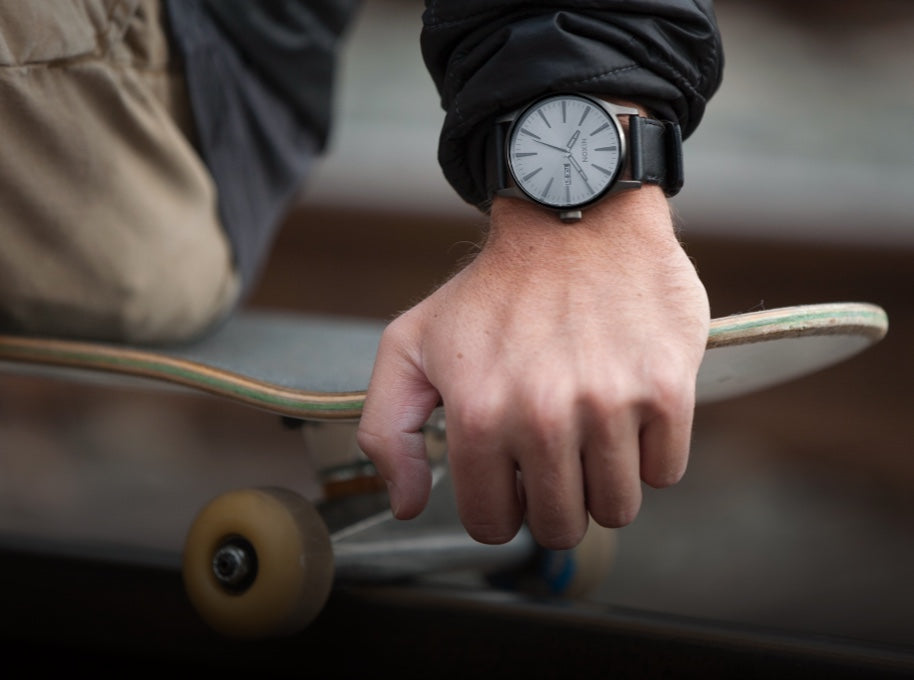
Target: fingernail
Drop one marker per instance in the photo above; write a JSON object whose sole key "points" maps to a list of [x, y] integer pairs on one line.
{"points": [[392, 495]]}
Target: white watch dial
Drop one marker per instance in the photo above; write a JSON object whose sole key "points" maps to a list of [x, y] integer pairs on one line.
{"points": [[564, 151]]}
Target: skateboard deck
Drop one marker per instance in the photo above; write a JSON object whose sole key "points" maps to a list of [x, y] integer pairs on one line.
{"points": [[261, 562], [318, 367]]}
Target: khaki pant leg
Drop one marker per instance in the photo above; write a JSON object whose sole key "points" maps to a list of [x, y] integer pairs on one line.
{"points": [[108, 219]]}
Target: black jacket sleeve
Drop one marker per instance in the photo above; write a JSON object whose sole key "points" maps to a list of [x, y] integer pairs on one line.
{"points": [[488, 57], [260, 81], [292, 44]]}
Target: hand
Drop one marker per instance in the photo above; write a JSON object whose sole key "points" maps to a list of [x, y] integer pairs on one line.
{"points": [[565, 357]]}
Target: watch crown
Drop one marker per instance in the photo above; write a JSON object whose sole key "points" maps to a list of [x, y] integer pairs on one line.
{"points": [[570, 215]]}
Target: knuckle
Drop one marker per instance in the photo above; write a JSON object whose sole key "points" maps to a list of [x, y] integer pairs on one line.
{"points": [[372, 443], [544, 429], [671, 391], [546, 410], [396, 334], [601, 400], [477, 417]]}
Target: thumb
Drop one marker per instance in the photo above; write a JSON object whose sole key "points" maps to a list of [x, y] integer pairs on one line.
{"points": [[399, 402]]}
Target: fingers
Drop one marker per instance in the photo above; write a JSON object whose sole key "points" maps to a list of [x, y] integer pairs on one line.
{"points": [[666, 436], [399, 402], [572, 456], [612, 468], [548, 450], [489, 499], [548, 443], [510, 459], [643, 440]]}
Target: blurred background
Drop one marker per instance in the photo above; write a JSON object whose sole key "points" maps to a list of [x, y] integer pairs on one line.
{"points": [[798, 508]]}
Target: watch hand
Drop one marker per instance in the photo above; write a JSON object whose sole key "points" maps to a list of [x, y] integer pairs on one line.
{"points": [[551, 146], [577, 166], [574, 139]]}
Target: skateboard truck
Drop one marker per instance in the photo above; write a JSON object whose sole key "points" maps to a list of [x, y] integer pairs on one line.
{"points": [[344, 470]]}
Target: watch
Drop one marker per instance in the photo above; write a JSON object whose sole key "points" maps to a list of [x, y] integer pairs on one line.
{"points": [[568, 151]]}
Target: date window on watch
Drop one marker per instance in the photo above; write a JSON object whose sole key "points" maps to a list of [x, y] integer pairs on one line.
{"points": [[567, 174]]}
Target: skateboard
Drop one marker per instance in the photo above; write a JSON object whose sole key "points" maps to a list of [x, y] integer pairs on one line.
{"points": [[262, 562]]}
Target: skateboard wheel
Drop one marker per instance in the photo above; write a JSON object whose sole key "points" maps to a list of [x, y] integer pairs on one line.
{"points": [[573, 574], [579, 572], [258, 563]]}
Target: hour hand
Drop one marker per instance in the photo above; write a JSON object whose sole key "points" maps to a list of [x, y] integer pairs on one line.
{"points": [[577, 166]]}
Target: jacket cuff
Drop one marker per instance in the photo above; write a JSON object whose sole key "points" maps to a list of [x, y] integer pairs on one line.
{"points": [[489, 57]]}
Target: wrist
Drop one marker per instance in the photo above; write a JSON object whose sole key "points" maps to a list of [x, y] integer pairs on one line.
{"points": [[622, 231], [643, 213]]}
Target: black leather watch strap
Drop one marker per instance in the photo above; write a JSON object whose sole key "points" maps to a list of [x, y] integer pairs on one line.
{"points": [[496, 170], [655, 152]]}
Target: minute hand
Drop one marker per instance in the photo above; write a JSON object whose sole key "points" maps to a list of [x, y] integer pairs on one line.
{"points": [[551, 146]]}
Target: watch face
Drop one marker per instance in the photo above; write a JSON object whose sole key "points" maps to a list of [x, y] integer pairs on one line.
{"points": [[564, 151]]}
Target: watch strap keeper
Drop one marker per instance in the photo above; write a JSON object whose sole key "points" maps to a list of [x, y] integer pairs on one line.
{"points": [[656, 153]]}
